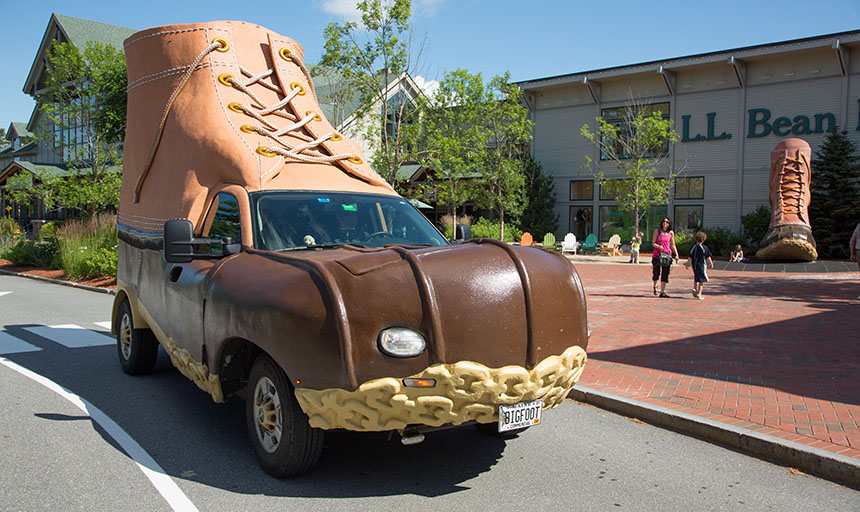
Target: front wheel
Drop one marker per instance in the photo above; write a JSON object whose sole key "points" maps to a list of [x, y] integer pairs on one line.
{"points": [[284, 442], [137, 348]]}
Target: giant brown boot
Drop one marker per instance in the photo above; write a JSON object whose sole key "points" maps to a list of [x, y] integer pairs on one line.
{"points": [[789, 236], [224, 103]]}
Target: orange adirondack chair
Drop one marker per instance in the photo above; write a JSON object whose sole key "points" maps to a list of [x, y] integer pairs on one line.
{"points": [[527, 239]]}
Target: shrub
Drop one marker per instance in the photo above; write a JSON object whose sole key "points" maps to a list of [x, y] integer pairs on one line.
{"points": [[755, 225], [684, 242], [32, 253], [485, 228], [448, 224], [49, 229], [721, 241], [89, 248]]}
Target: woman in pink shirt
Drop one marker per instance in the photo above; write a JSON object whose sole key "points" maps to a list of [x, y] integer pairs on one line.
{"points": [[664, 242]]}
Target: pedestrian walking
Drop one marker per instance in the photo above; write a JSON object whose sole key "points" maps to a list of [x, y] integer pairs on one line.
{"points": [[634, 248], [854, 246], [661, 259], [700, 259]]}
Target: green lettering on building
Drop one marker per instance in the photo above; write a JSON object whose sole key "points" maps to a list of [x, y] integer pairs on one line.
{"points": [[685, 130], [755, 122], [819, 118]]}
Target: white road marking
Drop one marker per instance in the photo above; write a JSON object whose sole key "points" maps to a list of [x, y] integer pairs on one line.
{"points": [[4, 293], [71, 336], [11, 345], [106, 325], [162, 482]]}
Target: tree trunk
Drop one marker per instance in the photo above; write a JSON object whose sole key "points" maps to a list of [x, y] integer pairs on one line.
{"points": [[501, 224]]}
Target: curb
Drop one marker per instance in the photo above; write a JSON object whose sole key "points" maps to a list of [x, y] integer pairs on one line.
{"points": [[58, 281], [833, 466]]}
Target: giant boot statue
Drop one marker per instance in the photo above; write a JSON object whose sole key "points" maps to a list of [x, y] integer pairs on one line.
{"points": [[789, 236], [224, 102]]}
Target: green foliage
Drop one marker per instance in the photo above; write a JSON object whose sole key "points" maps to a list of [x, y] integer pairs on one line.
{"points": [[834, 208], [638, 146], [31, 252], [485, 228], [369, 55], [722, 241], [684, 242], [49, 230], [88, 249], [755, 225], [86, 91], [538, 215]]}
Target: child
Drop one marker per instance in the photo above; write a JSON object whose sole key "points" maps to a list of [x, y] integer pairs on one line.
{"points": [[634, 248], [699, 255], [737, 254]]}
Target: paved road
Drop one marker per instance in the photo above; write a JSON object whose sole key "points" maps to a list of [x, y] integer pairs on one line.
{"points": [[53, 454]]}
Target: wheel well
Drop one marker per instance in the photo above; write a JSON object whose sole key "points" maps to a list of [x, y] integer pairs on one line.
{"points": [[237, 356]]}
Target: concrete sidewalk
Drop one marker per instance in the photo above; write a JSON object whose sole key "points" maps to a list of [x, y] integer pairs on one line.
{"points": [[768, 362]]}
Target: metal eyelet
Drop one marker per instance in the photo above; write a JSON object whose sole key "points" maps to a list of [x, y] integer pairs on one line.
{"points": [[355, 160], [236, 107], [335, 138], [316, 116], [284, 53], [224, 44], [266, 151], [225, 78], [247, 128], [296, 85]]}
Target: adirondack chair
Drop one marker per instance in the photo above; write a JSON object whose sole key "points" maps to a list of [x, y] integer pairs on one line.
{"points": [[527, 239], [569, 243], [590, 244], [549, 241], [610, 248]]}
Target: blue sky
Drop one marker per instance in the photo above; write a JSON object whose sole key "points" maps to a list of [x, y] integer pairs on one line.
{"points": [[531, 39]]}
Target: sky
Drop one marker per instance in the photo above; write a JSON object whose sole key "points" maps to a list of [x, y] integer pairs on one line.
{"points": [[532, 39]]}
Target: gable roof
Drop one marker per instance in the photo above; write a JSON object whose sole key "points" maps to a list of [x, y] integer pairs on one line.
{"points": [[78, 31], [19, 129], [34, 169]]}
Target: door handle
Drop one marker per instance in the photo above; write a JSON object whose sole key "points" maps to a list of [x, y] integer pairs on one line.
{"points": [[174, 274]]}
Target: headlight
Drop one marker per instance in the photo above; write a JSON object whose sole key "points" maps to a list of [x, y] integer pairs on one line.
{"points": [[401, 342]]}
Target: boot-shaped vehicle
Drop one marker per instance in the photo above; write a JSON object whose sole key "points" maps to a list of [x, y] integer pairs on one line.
{"points": [[269, 261]]}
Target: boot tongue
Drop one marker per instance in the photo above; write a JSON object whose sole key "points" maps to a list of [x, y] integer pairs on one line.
{"points": [[289, 76]]}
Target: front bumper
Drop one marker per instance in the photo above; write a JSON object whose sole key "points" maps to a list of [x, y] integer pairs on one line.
{"points": [[464, 391]]}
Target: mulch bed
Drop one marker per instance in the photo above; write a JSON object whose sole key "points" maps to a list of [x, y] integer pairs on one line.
{"points": [[101, 282]]}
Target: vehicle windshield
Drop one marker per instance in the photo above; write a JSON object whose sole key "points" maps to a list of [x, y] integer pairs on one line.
{"points": [[288, 220]]}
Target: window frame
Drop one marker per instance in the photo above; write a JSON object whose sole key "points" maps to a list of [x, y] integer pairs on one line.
{"points": [[688, 198], [570, 190]]}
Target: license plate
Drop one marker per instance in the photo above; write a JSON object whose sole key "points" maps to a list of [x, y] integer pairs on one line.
{"points": [[519, 415]]}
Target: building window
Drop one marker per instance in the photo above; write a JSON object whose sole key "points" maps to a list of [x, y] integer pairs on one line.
{"points": [[397, 111], [690, 188], [617, 116], [582, 190], [614, 221], [688, 218], [580, 221]]}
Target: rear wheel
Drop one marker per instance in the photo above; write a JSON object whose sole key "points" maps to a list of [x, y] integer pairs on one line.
{"points": [[137, 348], [284, 442]]}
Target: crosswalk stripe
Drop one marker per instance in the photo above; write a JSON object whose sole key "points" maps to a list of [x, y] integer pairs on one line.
{"points": [[106, 325], [71, 336], [11, 345]]}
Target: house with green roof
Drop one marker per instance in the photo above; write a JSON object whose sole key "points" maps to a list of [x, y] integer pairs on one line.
{"points": [[23, 153]]}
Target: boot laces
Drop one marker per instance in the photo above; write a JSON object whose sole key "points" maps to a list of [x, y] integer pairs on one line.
{"points": [[791, 183]]}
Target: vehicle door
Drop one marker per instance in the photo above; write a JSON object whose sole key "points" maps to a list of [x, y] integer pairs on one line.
{"points": [[187, 282]]}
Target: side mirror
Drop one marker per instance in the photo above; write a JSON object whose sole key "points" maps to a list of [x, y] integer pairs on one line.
{"points": [[178, 237], [228, 248], [462, 232]]}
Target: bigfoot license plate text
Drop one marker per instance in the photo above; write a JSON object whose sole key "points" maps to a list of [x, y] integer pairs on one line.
{"points": [[519, 415]]}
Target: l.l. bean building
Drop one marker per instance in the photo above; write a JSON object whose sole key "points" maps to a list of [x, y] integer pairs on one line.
{"points": [[730, 108]]}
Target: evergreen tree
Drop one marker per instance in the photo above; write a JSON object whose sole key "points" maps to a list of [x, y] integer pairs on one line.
{"points": [[834, 209], [538, 216]]}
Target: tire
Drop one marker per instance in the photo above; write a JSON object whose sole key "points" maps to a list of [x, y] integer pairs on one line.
{"points": [[137, 348], [284, 442], [492, 429]]}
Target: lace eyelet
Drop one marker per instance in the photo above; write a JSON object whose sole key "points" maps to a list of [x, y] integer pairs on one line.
{"points": [[225, 78], [247, 128], [266, 151], [296, 85], [284, 53], [236, 107], [316, 116], [355, 160], [336, 137], [224, 44]]}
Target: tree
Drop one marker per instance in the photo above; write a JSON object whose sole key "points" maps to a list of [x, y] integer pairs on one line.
{"points": [[84, 103], [371, 56], [835, 189], [638, 145], [508, 130], [450, 139], [538, 215]]}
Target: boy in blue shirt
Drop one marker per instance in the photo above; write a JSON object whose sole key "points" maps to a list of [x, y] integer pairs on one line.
{"points": [[699, 256]]}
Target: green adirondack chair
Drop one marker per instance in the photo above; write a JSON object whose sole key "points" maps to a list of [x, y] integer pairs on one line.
{"points": [[549, 241], [590, 244]]}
